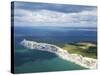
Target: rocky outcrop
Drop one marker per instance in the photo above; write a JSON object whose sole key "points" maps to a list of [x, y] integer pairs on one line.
{"points": [[75, 58]]}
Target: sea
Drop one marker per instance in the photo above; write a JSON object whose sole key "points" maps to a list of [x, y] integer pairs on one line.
{"points": [[31, 61]]}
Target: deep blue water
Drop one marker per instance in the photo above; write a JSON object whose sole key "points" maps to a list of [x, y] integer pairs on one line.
{"points": [[37, 61]]}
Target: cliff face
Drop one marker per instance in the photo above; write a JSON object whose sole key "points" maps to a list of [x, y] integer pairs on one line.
{"points": [[77, 59], [39, 46]]}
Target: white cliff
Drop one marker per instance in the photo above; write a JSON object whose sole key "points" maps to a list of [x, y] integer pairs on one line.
{"points": [[75, 58]]}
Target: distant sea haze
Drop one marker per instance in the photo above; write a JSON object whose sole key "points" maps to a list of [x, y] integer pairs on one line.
{"points": [[57, 34]]}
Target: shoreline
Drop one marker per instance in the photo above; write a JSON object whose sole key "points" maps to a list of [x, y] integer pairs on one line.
{"points": [[85, 62]]}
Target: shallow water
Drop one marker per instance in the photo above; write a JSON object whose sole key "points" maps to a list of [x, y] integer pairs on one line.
{"points": [[40, 61]]}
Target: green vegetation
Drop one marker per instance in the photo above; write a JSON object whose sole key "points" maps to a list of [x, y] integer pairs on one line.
{"points": [[86, 49]]}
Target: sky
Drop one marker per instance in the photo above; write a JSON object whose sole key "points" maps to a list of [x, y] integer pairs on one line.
{"points": [[49, 14]]}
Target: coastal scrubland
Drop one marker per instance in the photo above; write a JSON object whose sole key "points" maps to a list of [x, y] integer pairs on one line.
{"points": [[86, 49]]}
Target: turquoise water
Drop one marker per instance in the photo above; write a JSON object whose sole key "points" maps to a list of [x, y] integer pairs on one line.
{"points": [[46, 63], [30, 61]]}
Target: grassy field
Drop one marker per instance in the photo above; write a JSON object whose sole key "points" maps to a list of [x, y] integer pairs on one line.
{"points": [[83, 48]]}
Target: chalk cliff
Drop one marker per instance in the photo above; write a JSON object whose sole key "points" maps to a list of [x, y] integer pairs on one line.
{"points": [[64, 54]]}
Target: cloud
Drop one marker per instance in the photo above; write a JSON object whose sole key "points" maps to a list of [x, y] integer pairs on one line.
{"points": [[22, 16]]}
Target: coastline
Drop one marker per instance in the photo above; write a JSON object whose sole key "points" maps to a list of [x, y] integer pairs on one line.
{"points": [[86, 62]]}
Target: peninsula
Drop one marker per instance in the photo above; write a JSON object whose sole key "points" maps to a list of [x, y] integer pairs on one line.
{"points": [[83, 61]]}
